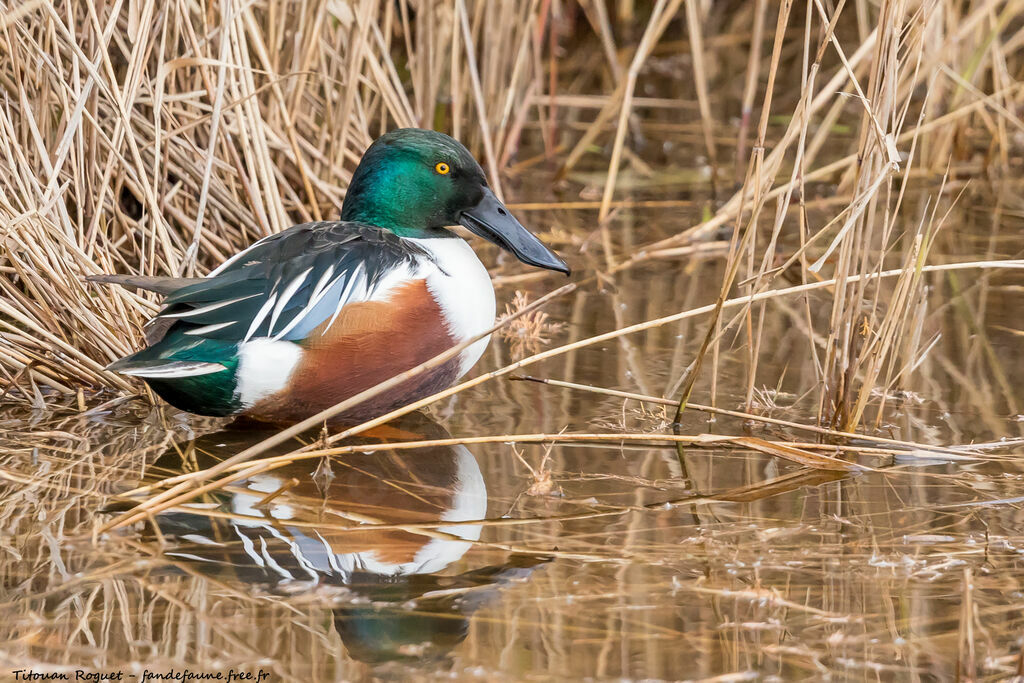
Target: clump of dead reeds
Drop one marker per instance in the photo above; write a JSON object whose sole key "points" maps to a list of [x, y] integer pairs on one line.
{"points": [[142, 138], [527, 333], [151, 139]]}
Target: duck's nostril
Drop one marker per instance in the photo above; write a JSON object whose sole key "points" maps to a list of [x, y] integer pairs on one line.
{"points": [[502, 212]]}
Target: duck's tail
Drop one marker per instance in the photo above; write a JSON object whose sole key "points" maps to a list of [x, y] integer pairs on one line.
{"points": [[161, 284]]}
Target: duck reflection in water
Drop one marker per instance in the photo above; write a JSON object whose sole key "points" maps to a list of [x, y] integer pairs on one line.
{"points": [[367, 523]]}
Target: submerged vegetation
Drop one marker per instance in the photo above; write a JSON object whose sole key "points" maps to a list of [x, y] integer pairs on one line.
{"points": [[776, 414]]}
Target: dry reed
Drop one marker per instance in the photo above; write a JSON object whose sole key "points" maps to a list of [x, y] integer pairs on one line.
{"points": [[146, 140], [160, 138]]}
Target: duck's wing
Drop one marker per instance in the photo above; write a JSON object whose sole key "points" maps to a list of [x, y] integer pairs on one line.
{"points": [[281, 287]]}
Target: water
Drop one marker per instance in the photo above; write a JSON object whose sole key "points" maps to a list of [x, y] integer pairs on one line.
{"points": [[578, 560]]}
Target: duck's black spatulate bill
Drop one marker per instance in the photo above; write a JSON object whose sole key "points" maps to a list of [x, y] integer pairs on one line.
{"points": [[492, 221]]}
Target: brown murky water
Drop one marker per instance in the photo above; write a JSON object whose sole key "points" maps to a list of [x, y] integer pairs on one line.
{"points": [[574, 561]]}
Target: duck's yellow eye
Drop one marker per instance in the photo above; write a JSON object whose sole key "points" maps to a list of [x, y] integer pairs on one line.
{"points": [[442, 168]]}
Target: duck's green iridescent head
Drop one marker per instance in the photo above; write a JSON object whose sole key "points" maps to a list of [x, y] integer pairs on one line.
{"points": [[415, 182]]}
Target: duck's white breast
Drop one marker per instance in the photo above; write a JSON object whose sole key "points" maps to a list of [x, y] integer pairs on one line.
{"points": [[462, 288]]}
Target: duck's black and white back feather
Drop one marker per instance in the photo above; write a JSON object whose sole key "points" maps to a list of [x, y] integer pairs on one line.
{"points": [[287, 284]]}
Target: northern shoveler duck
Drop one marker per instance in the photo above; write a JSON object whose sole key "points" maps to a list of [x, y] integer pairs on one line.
{"points": [[306, 318]]}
